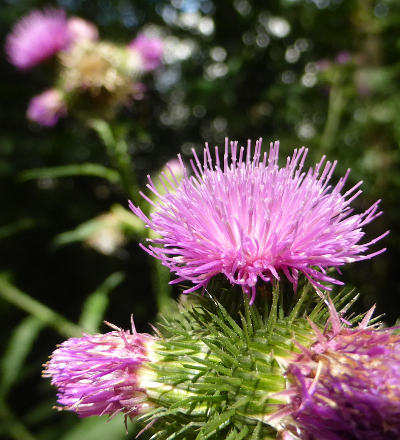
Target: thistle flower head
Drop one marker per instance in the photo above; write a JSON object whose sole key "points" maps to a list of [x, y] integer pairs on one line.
{"points": [[150, 50], [36, 37], [347, 385], [100, 71], [249, 219], [47, 108], [97, 374]]}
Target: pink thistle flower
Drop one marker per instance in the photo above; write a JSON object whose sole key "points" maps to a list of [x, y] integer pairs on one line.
{"points": [[343, 57], [80, 29], [47, 108], [347, 384], [37, 37], [98, 374], [150, 50], [251, 220]]}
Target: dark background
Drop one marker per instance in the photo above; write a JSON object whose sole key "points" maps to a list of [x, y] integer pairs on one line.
{"points": [[242, 69]]}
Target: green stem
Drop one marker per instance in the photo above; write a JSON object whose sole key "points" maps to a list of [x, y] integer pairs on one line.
{"points": [[160, 277], [273, 314], [11, 423], [159, 280], [117, 149], [20, 299], [124, 165], [335, 108]]}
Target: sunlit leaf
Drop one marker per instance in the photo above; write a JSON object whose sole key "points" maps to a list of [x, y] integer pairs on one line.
{"points": [[15, 227], [18, 348], [84, 169], [95, 428], [97, 302]]}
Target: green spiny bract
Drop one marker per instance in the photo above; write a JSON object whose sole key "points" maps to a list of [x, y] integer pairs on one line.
{"points": [[214, 375]]}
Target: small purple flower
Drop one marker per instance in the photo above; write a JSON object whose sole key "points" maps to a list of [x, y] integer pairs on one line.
{"points": [[97, 374], [347, 385], [36, 37], [80, 29], [47, 108], [343, 57], [250, 220], [150, 50]]}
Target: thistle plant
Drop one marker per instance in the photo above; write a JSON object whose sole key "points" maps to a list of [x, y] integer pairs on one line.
{"points": [[208, 373], [93, 77], [93, 80], [273, 364]]}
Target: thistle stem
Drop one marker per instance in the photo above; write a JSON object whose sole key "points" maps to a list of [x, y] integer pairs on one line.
{"points": [[160, 279], [20, 299], [335, 108], [117, 149]]}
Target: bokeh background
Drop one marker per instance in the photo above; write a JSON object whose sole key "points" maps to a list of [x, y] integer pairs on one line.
{"points": [[319, 73]]}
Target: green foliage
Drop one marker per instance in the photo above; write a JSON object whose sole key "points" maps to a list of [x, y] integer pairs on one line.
{"points": [[18, 348], [97, 302], [84, 169], [95, 428], [117, 220]]}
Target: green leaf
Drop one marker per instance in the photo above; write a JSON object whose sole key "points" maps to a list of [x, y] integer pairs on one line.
{"points": [[84, 169], [32, 306], [18, 348], [95, 428], [97, 302], [80, 233], [104, 131], [15, 227]]}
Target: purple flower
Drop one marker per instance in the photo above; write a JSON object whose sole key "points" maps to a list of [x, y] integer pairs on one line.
{"points": [[347, 385], [47, 108], [97, 374], [343, 57], [81, 29], [250, 220], [37, 37], [150, 50]]}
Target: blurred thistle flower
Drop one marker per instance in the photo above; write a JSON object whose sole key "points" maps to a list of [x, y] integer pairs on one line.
{"points": [[347, 384], [102, 70], [37, 37], [150, 50], [249, 220], [47, 108], [343, 57], [80, 29], [98, 374]]}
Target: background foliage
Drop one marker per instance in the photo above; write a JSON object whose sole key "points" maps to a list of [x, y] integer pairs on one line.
{"points": [[320, 73]]}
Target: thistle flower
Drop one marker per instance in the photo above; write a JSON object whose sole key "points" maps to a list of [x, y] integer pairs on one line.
{"points": [[251, 220], [150, 50], [100, 71], [347, 384], [47, 108], [97, 375], [80, 29], [37, 37]]}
